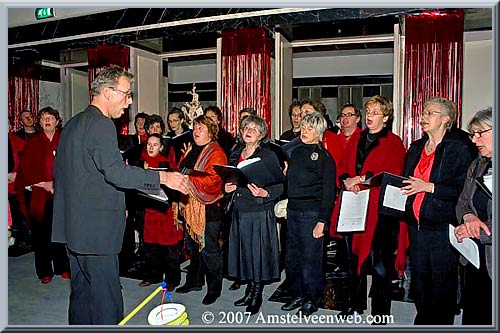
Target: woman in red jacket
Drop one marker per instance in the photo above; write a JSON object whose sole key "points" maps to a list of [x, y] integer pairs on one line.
{"points": [[369, 152], [161, 236], [34, 177]]}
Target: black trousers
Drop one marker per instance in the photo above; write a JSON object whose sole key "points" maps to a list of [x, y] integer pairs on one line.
{"points": [[209, 262], [47, 253], [96, 297], [434, 275], [304, 256], [380, 264], [163, 259], [477, 293]]}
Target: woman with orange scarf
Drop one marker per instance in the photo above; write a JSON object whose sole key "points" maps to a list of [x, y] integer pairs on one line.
{"points": [[200, 210], [35, 175]]}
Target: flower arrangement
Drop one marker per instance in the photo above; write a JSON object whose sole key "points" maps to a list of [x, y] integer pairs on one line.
{"points": [[192, 109]]}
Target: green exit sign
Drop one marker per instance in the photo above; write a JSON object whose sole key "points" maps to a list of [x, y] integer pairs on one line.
{"points": [[43, 13]]}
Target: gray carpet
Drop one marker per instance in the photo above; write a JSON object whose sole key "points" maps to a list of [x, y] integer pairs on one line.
{"points": [[31, 303]]}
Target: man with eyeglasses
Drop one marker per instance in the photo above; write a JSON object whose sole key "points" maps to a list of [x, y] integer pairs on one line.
{"points": [[89, 202], [350, 122]]}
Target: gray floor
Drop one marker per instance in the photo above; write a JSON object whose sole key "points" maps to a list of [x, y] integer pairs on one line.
{"points": [[31, 303]]}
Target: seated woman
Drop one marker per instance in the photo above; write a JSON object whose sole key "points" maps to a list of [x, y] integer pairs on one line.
{"points": [[253, 239], [162, 238], [474, 213], [201, 211], [311, 193]]}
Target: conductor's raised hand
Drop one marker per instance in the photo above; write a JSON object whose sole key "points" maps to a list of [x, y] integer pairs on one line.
{"points": [[175, 181]]}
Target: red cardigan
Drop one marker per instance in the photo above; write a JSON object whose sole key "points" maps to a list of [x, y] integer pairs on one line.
{"points": [[388, 156], [36, 165], [17, 147], [159, 226]]}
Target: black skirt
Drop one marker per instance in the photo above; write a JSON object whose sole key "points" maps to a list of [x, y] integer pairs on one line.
{"points": [[253, 252]]}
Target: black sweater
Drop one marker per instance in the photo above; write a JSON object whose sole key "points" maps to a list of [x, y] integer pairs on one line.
{"points": [[311, 180]]}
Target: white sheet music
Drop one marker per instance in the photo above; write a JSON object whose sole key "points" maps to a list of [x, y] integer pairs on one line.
{"points": [[156, 194], [468, 248], [353, 209], [394, 198], [488, 181]]}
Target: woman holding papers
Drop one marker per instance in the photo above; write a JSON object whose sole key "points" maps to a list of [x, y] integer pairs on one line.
{"points": [[474, 213], [369, 152], [311, 193], [201, 212], [253, 239], [436, 165]]}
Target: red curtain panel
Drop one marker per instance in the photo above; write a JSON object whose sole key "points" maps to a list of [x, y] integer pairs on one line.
{"points": [[433, 65], [104, 55], [23, 91], [246, 75]]}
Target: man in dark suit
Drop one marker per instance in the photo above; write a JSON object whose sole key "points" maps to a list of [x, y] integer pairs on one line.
{"points": [[89, 205]]}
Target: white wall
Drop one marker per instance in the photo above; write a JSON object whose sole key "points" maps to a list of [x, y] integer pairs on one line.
{"points": [[345, 65], [79, 92], [50, 95], [192, 71], [477, 75], [25, 16]]}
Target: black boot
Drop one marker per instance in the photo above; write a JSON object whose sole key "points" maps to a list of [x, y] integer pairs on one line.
{"points": [[214, 288], [255, 298], [245, 300], [193, 281]]}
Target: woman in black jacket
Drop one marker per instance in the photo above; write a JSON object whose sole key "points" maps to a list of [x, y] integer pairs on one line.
{"points": [[253, 238], [436, 164]]}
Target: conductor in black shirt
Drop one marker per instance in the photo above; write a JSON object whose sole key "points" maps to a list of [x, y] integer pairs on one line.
{"points": [[311, 192]]}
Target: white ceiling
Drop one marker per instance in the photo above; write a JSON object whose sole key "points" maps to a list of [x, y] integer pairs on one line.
{"points": [[24, 16]]}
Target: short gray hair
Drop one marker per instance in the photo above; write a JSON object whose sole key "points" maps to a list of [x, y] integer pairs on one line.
{"points": [[109, 77], [259, 123], [481, 117], [317, 121], [446, 107]]}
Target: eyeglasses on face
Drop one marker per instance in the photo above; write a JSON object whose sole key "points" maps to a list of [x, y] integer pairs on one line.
{"points": [[374, 113], [430, 113], [479, 134], [347, 115], [250, 129], [126, 93]]}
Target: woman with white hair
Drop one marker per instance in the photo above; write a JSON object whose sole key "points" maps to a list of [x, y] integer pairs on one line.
{"points": [[253, 238], [436, 165], [311, 193], [474, 213]]}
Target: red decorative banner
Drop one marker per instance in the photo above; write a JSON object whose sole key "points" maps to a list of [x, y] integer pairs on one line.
{"points": [[433, 65], [102, 56], [246, 75]]}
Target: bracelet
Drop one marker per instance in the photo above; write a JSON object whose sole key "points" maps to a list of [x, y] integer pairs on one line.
{"points": [[432, 187]]}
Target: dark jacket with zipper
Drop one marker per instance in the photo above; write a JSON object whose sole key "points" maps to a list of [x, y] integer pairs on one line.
{"points": [[451, 161]]}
